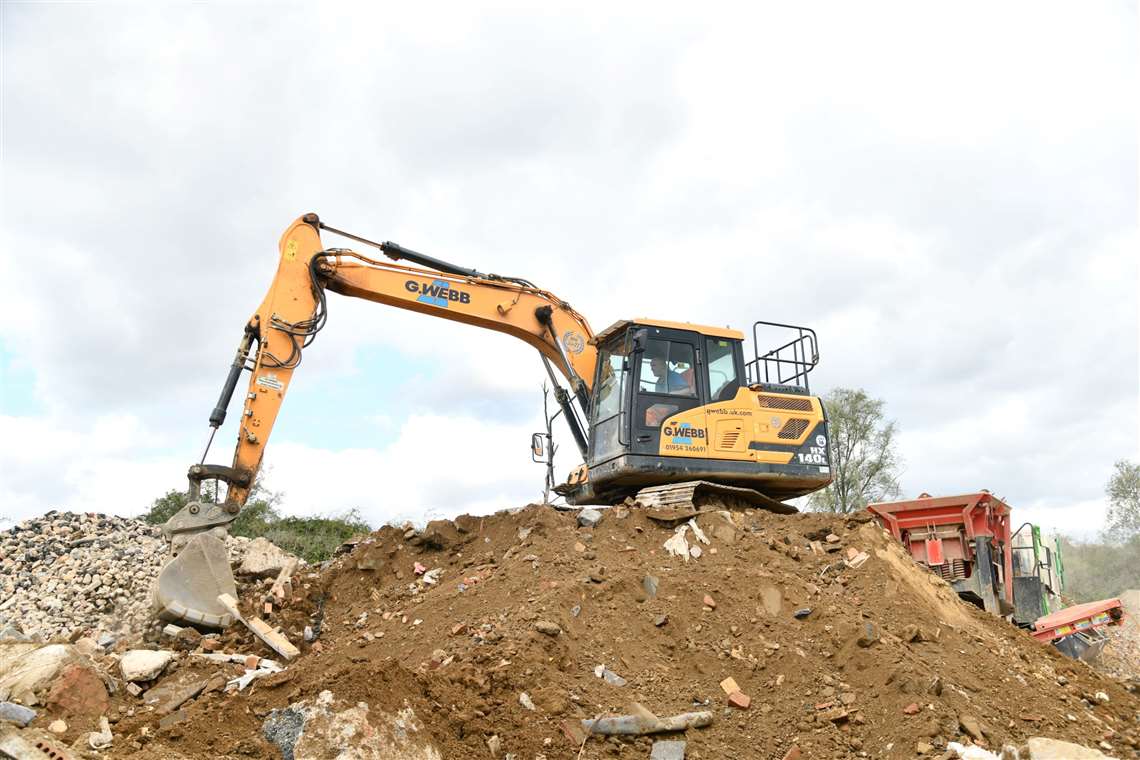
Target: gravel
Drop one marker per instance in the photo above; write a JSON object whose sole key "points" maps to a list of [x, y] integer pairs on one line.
{"points": [[66, 572]]}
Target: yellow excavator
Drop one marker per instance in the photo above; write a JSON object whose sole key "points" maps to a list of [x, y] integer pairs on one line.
{"points": [[666, 412]]}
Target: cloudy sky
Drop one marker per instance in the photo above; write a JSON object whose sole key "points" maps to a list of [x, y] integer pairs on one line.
{"points": [[947, 193]]}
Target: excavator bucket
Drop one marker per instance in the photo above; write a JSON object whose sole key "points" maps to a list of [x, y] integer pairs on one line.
{"points": [[188, 586]]}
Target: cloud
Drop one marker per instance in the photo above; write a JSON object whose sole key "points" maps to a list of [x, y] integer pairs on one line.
{"points": [[948, 196]]}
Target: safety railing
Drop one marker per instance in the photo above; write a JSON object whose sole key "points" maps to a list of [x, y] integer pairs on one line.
{"points": [[789, 363]]}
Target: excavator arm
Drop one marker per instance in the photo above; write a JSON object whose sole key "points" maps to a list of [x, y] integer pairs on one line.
{"points": [[273, 342]]}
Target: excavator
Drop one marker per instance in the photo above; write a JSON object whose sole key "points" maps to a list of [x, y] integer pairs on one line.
{"points": [[668, 413]]}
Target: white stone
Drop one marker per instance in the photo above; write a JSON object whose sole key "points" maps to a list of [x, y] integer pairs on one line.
{"points": [[24, 677], [1041, 748], [262, 559], [143, 664]]}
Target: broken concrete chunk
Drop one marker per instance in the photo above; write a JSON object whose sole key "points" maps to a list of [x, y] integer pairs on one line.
{"points": [[649, 584], [1041, 748], [263, 560], [144, 664], [526, 701]]}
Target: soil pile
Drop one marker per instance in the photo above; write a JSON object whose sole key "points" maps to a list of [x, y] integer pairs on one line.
{"points": [[493, 637]]}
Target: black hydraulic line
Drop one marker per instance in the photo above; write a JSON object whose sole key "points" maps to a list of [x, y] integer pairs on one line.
{"points": [[563, 399], [544, 314], [397, 252], [218, 416]]}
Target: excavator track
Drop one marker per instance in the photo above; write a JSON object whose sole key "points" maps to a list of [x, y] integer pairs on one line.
{"points": [[680, 499]]}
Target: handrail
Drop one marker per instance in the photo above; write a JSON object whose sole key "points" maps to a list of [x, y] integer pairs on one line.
{"points": [[804, 349]]}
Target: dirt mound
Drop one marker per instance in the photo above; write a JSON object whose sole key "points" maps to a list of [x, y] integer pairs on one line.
{"points": [[495, 636]]}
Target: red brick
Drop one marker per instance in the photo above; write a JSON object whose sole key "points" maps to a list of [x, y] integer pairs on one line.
{"points": [[78, 691], [740, 699]]}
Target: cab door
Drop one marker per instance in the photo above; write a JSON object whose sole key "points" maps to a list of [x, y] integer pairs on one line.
{"points": [[668, 394]]}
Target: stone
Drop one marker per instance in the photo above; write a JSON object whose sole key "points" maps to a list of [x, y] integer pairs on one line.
{"points": [[547, 627], [17, 714], [667, 751], [649, 584], [911, 709], [971, 726], [660, 620], [526, 701], [24, 677], [78, 691], [1040, 748], [912, 633], [709, 602], [771, 599], [58, 727], [801, 613], [923, 748], [832, 538], [495, 745], [262, 559], [173, 719], [1101, 697], [144, 664], [869, 636], [589, 518]]}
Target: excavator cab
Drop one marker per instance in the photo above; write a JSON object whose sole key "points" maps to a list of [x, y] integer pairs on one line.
{"points": [[676, 403]]}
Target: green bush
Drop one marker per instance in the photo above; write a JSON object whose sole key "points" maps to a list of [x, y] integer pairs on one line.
{"points": [[314, 539]]}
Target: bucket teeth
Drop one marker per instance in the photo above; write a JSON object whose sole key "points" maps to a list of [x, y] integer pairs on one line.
{"points": [[188, 586]]}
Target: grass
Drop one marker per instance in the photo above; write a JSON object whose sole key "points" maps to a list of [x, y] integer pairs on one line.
{"points": [[314, 539]]}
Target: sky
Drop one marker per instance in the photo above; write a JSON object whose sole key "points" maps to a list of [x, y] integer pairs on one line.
{"points": [[946, 193]]}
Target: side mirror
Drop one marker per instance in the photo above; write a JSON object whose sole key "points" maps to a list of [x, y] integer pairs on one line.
{"points": [[639, 338], [537, 447]]}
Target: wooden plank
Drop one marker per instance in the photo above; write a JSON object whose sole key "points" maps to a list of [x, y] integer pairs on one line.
{"points": [[261, 629]]}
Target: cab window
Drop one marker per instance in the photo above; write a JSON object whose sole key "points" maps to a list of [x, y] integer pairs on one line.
{"points": [[667, 368], [724, 379], [610, 383]]}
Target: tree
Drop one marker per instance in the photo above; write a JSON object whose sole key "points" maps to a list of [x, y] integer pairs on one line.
{"points": [[1123, 490], [863, 451]]}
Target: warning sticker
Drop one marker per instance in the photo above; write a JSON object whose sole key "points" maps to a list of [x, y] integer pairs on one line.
{"points": [[269, 380]]}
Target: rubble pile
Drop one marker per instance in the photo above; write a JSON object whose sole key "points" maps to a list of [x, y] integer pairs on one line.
{"points": [[65, 572], [633, 633]]}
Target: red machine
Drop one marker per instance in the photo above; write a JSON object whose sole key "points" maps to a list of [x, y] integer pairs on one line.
{"points": [[965, 539]]}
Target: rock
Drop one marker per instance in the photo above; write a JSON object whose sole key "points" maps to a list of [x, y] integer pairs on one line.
{"points": [[58, 727], [262, 559], [440, 534], [832, 538], [1101, 697], [802, 613], [709, 602], [771, 599], [923, 748], [545, 626], [143, 664], [26, 676], [660, 620], [911, 709], [911, 633], [495, 745], [17, 714], [649, 584], [870, 635], [526, 701], [667, 751], [589, 518], [609, 676], [970, 725], [78, 691], [1040, 748]]}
